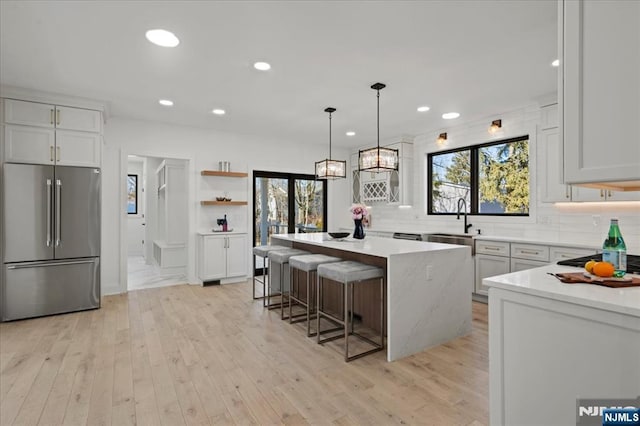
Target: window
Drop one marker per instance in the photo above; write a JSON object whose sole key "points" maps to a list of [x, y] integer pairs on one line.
{"points": [[132, 194], [492, 178]]}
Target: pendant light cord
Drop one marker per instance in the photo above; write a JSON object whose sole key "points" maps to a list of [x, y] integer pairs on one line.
{"points": [[378, 122], [329, 136]]}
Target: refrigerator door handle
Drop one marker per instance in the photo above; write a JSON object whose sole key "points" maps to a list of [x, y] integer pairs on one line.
{"points": [[58, 211], [49, 263], [48, 225]]}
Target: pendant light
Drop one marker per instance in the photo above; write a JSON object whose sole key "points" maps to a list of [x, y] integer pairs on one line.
{"points": [[331, 169], [378, 159]]}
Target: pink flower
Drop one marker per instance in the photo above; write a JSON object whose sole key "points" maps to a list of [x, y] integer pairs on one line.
{"points": [[358, 211]]}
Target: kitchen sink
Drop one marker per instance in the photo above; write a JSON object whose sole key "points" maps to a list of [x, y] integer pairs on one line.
{"points": [[457, 239]]}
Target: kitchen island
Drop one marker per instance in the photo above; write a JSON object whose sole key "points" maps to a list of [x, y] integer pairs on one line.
{"points": [[551, 343], [428, 301]]}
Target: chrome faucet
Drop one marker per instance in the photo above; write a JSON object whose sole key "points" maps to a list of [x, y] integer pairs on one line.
{"points": [[463, 202]]}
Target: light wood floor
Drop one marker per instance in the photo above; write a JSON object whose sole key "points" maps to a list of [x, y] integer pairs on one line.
{"points": [[193, 355]]}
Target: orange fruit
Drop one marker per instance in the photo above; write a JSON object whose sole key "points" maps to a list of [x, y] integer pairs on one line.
{"points": [[589, 266], [603, 269]]}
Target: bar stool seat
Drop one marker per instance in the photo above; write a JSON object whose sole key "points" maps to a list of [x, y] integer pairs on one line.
{"points": [[348, 273], [307, 263], [280, 258], [263, 252]]}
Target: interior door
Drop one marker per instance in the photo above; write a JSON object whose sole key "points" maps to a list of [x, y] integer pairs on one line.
{"points": [[28, 233], [77, 212]]}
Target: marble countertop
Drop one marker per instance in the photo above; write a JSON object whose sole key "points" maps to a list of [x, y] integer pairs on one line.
{"points": [[373, 246], [538, 282]]}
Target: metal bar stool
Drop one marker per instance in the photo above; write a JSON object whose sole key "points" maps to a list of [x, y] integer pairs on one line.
{"points": [[263, 252], [309, 264], [348, 273], [281, 259]]}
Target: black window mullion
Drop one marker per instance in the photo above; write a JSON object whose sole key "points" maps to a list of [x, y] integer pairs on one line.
{"points": [[475, 178]]}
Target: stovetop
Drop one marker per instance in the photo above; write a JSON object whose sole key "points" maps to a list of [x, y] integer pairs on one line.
{"points": [[633, 262]]}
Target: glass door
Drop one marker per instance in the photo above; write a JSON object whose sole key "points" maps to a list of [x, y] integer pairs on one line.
{"points": [[287, 203]]}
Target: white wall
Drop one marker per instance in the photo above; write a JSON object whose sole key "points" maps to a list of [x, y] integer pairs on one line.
{"points": [[580, 223], [135, 230], [203, 148]]}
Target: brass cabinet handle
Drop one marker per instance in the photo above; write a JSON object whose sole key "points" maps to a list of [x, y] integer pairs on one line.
{"points": [[58, 153], [602, 193], [529, 252], [567, 193], [58, 117], [50, 116], [51, 153], [492, 248], [609, 193]]}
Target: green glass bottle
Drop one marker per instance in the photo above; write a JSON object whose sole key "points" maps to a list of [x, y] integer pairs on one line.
{"points": [[614, 249]]}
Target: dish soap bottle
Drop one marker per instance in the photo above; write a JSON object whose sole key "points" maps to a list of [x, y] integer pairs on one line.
{"points": [[614, 249]]}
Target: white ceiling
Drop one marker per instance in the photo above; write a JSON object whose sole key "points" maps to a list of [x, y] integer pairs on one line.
{"points": [[474, 57]]}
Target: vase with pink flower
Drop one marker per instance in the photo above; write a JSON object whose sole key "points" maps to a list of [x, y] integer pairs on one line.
{"points": [[358, 213]]}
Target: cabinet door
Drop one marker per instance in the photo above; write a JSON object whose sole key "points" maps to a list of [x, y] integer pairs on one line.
{"points": [[85, 120], [236, 255], [77, 148], [33, 145], [599, 90], [622, 195], [29, 113], [489, 266], [213, 258], [523, 264], [550, 168]]}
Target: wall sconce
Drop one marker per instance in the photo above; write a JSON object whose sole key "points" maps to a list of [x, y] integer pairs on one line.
{"points": [[442, 138], [495, 126]]}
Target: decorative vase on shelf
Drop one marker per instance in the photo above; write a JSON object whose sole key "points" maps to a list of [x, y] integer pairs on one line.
{"points": [[358, 232]]}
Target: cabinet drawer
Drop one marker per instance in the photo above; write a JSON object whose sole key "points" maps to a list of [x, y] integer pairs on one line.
{"points": [[557, 254], [496, 248], [524, 264], [530, 251]]}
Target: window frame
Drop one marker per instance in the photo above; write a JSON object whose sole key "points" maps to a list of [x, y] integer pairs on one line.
{"points": [[474, 177], [134, 213]]}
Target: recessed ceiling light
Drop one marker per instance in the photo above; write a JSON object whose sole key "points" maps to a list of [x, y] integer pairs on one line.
{"points": [[555, 63], [351, 133], [165, 102], [262, 66], [423, 109], [219, 111], [162, 38], [450, 115]]}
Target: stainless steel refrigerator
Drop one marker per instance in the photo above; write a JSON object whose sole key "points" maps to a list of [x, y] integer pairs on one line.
{"points": [[51, 240]]}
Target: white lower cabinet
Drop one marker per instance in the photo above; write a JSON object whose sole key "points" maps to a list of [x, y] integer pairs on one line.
{"points": [[222, 256], [501, 257], [489, 266]]}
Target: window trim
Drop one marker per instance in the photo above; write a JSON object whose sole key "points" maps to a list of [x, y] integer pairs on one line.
{"points": [[134, 213], [474, 178]]}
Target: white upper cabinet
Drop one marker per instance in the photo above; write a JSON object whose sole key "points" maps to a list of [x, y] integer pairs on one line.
{"points": [[38, 133], [599, 92], [84, 120], [29, 113]]}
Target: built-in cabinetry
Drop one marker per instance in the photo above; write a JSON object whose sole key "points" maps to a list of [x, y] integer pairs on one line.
{"points": [[550, 168], [170, 247], [598, 92], [222, 257], [501, 257], [38, 133], [388, 187]]}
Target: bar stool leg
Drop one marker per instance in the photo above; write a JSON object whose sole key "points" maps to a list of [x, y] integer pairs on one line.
{"points": [[318, 299], [309, 304], [346, 322]]}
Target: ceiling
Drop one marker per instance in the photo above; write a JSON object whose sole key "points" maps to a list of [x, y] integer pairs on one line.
{"points": [[474, 57]]}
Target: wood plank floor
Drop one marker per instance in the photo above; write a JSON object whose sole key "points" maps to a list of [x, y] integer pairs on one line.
{"points": [[210, 355]]}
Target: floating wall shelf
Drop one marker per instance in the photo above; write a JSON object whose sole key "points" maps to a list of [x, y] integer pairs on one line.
{"points": [[226, 174], [223, 203]]}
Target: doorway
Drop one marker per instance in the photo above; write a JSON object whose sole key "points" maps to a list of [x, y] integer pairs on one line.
{"points": [[155, 258], [287, 203]]}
